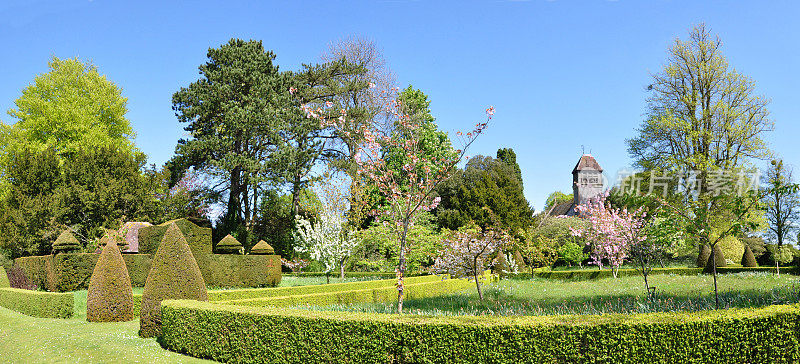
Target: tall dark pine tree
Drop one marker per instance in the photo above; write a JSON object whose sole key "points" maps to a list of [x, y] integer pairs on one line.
{"points": [[231, 114]]}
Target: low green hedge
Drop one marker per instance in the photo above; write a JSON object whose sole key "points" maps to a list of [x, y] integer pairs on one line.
{"points": [[351, 274], [4, 282], [270, 334], [367, 295], [606, 273], [38, 304], [239, 294]]}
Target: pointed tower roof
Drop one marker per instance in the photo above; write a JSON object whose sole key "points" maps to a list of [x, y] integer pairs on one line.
{"points": [[587, 162]]}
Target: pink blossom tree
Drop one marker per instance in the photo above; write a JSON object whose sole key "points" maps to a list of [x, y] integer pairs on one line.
{"points": [[407, 192], [611, 233], [466, 253]]}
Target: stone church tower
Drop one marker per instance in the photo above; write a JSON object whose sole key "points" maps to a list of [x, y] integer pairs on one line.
{"points": [[587, 179]]}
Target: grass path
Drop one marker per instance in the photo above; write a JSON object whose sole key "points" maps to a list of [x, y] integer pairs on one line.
{"points": [[26, 339]]}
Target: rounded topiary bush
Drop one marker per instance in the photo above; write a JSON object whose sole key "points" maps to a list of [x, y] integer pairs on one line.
{"points": [[719, 257], [748, 259], [702, 257], [262, 248], [65, 243], [110, 296], [174, 274], [229, 245]]}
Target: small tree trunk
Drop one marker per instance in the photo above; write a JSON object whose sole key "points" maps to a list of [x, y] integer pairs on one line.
{"points": [[478, 285], [714, 264], [328, 277], [777, 265], [402, 268], [341, 270]]}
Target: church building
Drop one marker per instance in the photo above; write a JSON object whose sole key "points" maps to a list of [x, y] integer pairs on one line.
{"points": [[587, 183]]}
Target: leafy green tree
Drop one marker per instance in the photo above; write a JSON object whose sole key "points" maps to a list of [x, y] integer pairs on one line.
{"points": [[68, 108], [554, 199], [782, 202], [485, 182], [571, 253]]}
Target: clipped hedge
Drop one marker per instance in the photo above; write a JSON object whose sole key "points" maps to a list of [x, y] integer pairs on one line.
{"points": [[270, 334], [36, 303], [110, 295], [352, 274], [239, 294], [242, 271], [71, 272], [369, 295], [606, 273]]}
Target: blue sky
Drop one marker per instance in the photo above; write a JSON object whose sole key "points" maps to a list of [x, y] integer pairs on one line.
{"points": [[561, 74]]}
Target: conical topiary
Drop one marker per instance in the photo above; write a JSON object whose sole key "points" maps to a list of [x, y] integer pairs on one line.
{"points": [[4, 282], [262, 248], [174, 274], [65, 243], [718, 257], [702, 257], [748, 259], [110, 297], [229, 245]]}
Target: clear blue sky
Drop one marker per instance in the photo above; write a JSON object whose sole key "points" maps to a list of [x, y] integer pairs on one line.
{"points": [[561, 73]]}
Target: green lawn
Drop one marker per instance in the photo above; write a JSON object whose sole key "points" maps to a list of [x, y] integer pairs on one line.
{"points": [[35, 340], [609, 295]]}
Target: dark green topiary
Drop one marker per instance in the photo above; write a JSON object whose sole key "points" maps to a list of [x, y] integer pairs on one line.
{"points": [[262, 248], [4, 282], [229, 245], [66, 243], [174, 275], [702, 257], [718, 257], [110, 297], [748, 259]]}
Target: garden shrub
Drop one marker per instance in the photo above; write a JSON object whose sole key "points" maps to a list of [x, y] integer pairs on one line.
{"points": [[35, 269], [731, 247], [262, 248], [138, 265], [110, 296], [71, 272], [748, 259], [229, 245], [273, 334], [719, 258], [174, 275], [4, 282], [237, 271], [702, 257], [66, 243], [36, 303], [198, 238]]}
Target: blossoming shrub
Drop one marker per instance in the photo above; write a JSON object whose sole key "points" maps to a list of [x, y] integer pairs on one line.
{"points": [[200, 329]]}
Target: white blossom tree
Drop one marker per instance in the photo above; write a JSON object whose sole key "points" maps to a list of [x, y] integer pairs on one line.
{"points": [[327, 239]]}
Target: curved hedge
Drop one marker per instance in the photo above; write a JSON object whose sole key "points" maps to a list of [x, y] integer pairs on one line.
{"points": [[270, 334], [36, 303]]}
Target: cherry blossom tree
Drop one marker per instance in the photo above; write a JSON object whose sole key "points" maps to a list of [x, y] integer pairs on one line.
{"points": [[466, 253], [409, 191], [611, 233]]}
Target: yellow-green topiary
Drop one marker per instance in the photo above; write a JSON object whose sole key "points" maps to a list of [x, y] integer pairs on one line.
{"points": [[4, 282], [110, 296], [262, 248], [748, 259], [229, 245], [174, 275], [66, 243]]}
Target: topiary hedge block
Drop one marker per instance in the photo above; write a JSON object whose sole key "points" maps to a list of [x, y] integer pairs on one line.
{"points": [[110, 296], [4, 282], [718, 257], [229, 245], [238, 271], [66, 243], [206, 330], [71, 272], [262, 248], [198, 238], [173, 275], [702, 257], [37, 269], [36, 303], [748, 259]]}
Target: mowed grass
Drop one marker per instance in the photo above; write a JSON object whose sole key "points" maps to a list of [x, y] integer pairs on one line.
{"points": [[609, 295]]}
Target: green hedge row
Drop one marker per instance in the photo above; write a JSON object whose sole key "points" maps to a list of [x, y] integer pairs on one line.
{"points": [[239, 294], [38, 304], [368, 295], [270, 334], [606, 273], [352, 274]]}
